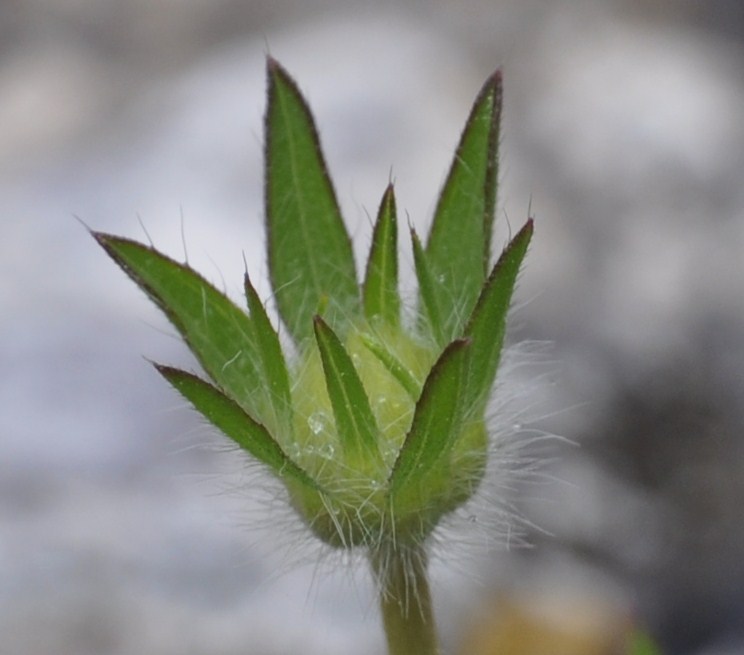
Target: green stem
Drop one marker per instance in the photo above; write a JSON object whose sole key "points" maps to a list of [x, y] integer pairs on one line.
{"points": [[405, 601]]}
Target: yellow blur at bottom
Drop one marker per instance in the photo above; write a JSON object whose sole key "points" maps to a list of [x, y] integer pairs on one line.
{"points": [[547, 626]]}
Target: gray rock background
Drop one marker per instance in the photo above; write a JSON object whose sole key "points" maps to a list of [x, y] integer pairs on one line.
{"points": [[126, 526]]}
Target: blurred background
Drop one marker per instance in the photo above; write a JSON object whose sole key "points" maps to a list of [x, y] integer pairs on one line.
{"points": [[126, 526]]}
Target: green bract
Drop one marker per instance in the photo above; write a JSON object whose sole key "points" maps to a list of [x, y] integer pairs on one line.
{"points": [[376, 426]]}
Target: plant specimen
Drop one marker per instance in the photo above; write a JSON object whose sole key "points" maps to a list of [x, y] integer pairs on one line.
{"points": [[373, 417]]}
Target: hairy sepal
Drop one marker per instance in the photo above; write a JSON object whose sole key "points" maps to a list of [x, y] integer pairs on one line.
{"points": [[432, 470], [271, 360], [311, 262], [219, 333], [380, 291], [393, 365], [432, 306], [355, 424], [458, 247], [487, 324], [233, 422]]}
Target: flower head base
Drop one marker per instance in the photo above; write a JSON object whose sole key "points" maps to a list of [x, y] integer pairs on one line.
{"points": [[376, 427], [375, 492]]}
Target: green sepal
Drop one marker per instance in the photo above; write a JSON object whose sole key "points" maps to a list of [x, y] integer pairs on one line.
{"points": [[219, 333], [355, 422], [436, 421], [228, 417], [487, 324], [395, 367], [430, 302], [274, 368], [458, 247], [380, 289], [310, 253]]}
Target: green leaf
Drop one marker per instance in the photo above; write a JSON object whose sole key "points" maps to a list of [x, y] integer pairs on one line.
{"points": [[355, 423], [310, 254], [231, 420], [218, 332], [274, 368], [487, 324], [436, 420], [430, 300], [396, 368], [459, 243], [381, 282]]}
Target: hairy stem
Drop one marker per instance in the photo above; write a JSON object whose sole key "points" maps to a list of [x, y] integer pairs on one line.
{"points": [[405, 601]]}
